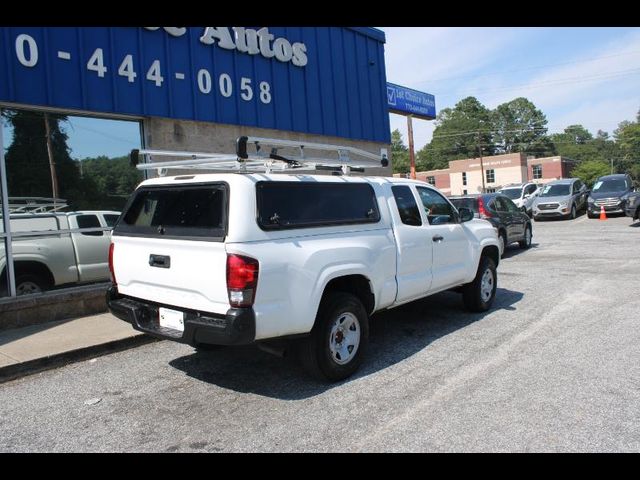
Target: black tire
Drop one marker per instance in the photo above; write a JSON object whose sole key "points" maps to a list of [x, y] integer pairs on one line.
{"points": [[207, 347], [526, 242], [472, 294], [573, 214], [315, 351], [590, 215], [28, 283]]}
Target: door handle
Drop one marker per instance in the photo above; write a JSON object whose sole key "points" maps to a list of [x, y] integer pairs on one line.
{"points": [[161, 261], [437, 238]]}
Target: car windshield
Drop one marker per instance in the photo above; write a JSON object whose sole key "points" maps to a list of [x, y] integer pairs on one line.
{"points": [[557, 190], [605, 186], [512, 193]]}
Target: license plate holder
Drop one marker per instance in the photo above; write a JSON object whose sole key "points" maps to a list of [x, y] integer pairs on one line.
{"points": [[171, 319]]}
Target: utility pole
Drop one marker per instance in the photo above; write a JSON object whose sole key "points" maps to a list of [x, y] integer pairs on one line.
{"points": [[481, 164], [52, 163], [412, 155]]}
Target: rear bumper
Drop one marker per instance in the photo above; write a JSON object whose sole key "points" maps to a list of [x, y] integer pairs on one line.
{"points": [[237, 327]]}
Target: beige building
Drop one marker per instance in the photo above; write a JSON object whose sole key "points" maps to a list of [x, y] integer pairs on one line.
{"points": [[466, 176]]}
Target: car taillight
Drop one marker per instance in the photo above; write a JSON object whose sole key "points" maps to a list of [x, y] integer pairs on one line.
{"points": [[483, 212], [111, 271], [242, 280]]}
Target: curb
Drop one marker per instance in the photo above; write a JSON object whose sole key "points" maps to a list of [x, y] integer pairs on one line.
{"points": [[30, 367]]}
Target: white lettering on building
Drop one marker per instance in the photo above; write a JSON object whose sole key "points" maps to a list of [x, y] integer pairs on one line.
{"points": [[247, 40]]}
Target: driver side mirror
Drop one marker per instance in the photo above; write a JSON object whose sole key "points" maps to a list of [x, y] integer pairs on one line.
{"points": [[465, 214]]}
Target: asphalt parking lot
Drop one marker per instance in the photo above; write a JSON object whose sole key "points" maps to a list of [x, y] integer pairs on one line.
{"points": [[554, 366]]}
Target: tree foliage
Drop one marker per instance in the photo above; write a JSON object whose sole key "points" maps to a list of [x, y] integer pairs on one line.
{"points": [[588, 171], [518, 126], [93, 184], [399, 153], [460, 133]]}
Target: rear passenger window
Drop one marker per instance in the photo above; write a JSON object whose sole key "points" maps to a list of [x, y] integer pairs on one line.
{"points": [[407, 206], [89, 221], [284, 205], [111, 219]]}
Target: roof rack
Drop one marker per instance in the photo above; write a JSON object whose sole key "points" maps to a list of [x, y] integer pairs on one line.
{"points": [[36, 204], [263, 161]]}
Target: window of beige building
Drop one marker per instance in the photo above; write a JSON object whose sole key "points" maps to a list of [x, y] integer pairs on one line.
{"points": [[491, 176], [464, 178], [431, 180]]}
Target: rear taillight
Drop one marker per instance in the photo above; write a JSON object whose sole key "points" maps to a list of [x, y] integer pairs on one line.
{"points": [[111, 271], [242, 280], [482, 211]]}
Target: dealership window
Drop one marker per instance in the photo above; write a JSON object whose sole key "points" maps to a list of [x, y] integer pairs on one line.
{"points": [[464, 192], [491, 176], [431, 180], [464, 178], [537, 172], [58, 164], [489, 190]]}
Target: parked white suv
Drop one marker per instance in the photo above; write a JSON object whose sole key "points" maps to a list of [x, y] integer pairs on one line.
{"points": [[522, 194], [240, 258]]}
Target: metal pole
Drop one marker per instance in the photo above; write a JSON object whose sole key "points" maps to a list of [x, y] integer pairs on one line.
{"points": [[52, 164], [412, 156], [481, 164], [6, 221]]}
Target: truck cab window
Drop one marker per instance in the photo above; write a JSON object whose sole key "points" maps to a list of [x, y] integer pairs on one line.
{"points": [[407, 206], [438, 210], [89, 221]]}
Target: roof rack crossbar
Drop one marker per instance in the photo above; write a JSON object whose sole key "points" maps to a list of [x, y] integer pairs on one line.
{"points": [[260, 161]]}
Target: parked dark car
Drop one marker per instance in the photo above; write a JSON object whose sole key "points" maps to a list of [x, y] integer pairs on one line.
{"points": [[611, 192], [633, 205], [512, 223]]}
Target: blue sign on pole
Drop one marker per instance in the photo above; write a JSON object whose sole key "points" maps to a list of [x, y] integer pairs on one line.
{"points": [[406, 101]]}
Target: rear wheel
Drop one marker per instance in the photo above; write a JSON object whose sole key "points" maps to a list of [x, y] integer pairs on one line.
{"points": [[28, 283], [339, 338], [479, 294], [526, 242], [502, 241]]}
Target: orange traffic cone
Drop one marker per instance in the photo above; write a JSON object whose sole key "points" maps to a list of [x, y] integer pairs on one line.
{"points": [[603, 214]]}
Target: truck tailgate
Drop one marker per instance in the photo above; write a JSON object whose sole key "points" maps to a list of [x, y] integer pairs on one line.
{"points": [[185, 273]]}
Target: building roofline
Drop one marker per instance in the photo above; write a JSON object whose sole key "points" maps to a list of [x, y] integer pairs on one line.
{"points": [[371, 32]]}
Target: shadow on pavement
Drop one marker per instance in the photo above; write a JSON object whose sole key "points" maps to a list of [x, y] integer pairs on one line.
{"points": [[514, 249], [394, 336]]}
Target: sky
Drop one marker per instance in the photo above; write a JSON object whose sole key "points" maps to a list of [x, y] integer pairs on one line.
{"points": [[575, 75]]}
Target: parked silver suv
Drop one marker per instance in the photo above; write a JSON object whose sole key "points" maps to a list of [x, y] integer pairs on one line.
{"points": [[560, 199]]}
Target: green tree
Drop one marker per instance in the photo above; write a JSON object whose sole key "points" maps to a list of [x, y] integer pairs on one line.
{"points": [[628, 140], [460, 132], [27, 159], [520, 127], [108, 181], [399, 153], [589, 170], [576, 143]]}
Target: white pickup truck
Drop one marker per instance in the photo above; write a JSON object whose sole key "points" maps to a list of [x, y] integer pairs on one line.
{"points": [[63, 256], [229, 259]]}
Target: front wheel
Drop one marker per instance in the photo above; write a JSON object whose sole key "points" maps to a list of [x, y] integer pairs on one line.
{"points": [[480, 293], [339, 338], [573, 213]]}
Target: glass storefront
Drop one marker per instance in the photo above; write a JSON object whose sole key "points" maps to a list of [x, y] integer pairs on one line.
{"points": [[67, 179]]}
